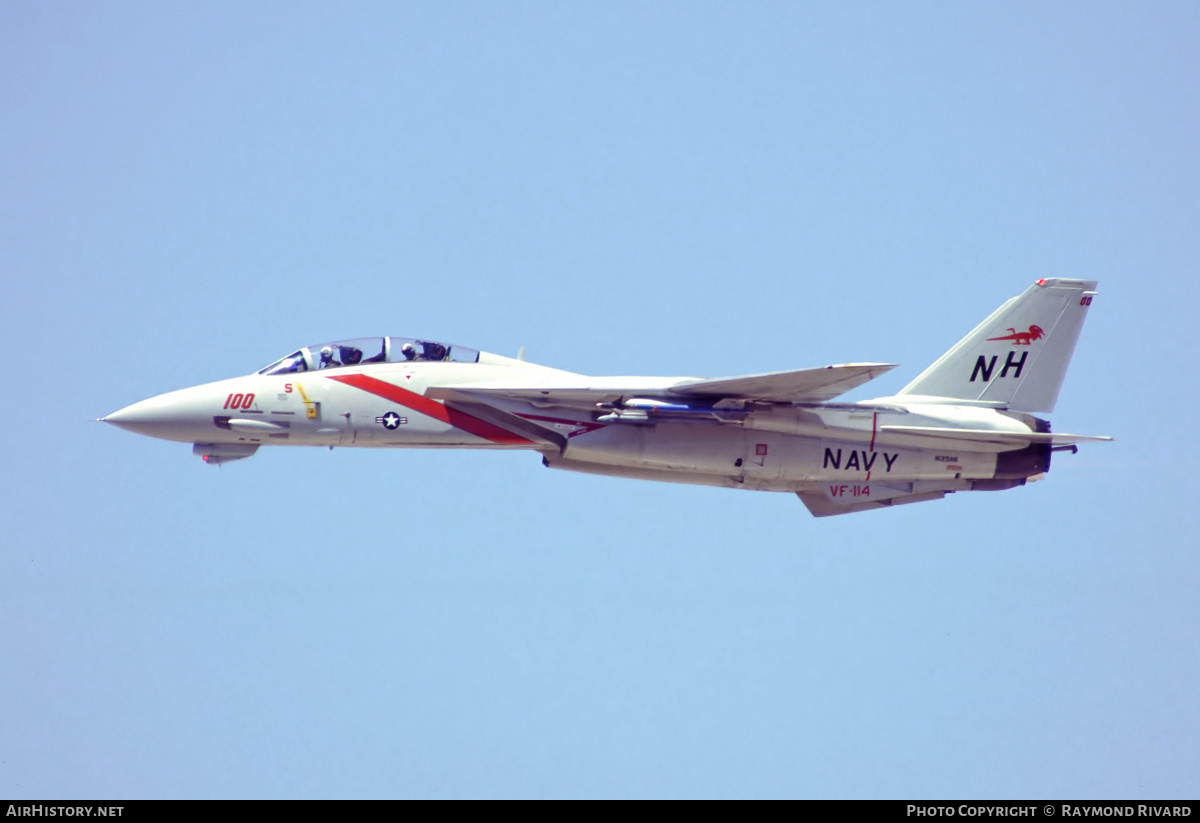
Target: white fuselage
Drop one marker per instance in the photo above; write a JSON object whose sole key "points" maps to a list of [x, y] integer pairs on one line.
{"points": [[965, 423], [383, 405]]}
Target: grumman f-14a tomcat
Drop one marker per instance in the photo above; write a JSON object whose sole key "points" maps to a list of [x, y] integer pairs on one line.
{"points": [[966, 423]]}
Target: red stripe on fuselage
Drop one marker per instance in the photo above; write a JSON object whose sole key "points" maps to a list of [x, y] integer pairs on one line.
{"points": [[432, 408]]}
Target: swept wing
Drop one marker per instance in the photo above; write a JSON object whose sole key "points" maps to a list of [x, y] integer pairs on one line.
{"points": [[802, 386]]}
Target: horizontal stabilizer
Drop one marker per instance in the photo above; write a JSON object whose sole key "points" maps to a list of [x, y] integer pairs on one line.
{"points": [[1000, 438]]}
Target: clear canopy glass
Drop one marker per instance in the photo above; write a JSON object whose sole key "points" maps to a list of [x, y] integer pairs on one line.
{"points": [[362, 350]]}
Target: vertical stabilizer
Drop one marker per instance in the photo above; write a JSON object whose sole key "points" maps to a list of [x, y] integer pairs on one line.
{"points": [[1019, 355]]}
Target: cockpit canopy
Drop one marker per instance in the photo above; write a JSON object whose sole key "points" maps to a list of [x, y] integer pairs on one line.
{"points": [[369, 350]]}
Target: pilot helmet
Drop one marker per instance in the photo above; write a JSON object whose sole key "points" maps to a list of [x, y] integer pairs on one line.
{"points": [[408, 351]]}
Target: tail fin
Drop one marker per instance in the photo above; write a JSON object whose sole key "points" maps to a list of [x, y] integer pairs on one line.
{"points": [[1019, 355]]}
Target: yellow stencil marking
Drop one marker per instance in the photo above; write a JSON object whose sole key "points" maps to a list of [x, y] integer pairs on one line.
{"points": [[310, 408]]}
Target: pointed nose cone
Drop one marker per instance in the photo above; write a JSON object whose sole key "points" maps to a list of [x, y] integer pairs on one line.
{"points": [[147, 417], [179, 415]]}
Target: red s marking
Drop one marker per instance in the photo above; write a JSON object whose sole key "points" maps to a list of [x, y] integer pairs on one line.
{"points": [[432, 408]]}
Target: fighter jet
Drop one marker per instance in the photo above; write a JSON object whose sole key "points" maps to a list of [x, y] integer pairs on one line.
{"points": [[966, 423]]}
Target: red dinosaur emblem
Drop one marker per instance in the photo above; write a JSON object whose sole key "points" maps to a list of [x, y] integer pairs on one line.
{"points": [[1023, 338]]}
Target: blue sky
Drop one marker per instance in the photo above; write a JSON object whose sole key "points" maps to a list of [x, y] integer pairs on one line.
{"points": [[191, 191]]}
